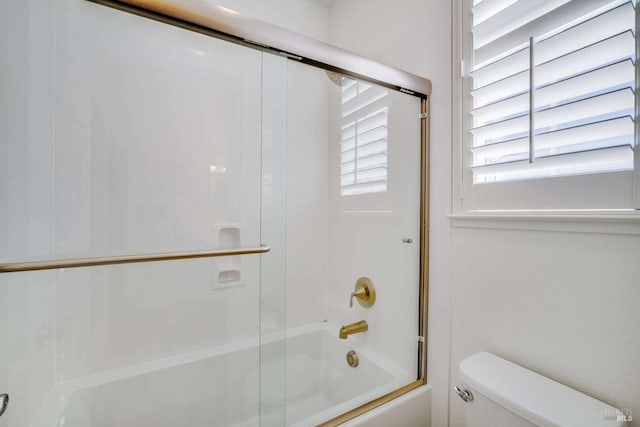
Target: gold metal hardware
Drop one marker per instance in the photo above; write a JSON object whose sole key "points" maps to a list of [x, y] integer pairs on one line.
{"points": [[364, 292], [353, 328], [126, 259], [425, 146], [352, 359]]}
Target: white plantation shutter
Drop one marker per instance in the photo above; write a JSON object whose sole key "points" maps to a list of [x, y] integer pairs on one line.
{"points": [[363, 145], [581, 96]]}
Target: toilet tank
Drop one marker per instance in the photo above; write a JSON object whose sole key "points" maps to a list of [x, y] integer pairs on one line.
{"points": [[507, 395]]}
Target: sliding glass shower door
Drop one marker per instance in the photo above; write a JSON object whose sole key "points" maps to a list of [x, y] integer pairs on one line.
{"points": [[353, 244], [122, 136], [199, 233]]}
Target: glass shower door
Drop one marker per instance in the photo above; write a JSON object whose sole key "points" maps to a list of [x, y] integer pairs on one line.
{"points": [[124, 136], [121, 135], [353, 174]]}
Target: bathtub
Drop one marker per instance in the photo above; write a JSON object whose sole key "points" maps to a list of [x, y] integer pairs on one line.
{"points": [[221, 386]]}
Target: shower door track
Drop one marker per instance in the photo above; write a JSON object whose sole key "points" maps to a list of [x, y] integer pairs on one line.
{"points": [[222, 23]]}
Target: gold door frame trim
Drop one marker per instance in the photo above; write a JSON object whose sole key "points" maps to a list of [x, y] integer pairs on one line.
{"points": [[232, 27]]}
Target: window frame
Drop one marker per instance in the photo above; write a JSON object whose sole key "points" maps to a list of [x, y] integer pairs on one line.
{"points": [[574, 194]]}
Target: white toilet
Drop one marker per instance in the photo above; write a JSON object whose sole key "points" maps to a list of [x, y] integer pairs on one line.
{"points": [[499, 393]]}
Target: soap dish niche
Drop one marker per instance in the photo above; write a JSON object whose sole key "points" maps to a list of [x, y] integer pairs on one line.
{"points": [[227, 271], [227, 278], [227, 236]]}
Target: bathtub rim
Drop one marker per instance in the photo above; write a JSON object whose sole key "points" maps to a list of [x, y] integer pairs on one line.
{"points": [[373, 404], [60, 394]]}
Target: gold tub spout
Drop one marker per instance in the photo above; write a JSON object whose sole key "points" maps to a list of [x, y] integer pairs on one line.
{"points": [[353, 328]]}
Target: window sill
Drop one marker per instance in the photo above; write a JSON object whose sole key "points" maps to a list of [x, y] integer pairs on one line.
{"points": [[602, 222]]}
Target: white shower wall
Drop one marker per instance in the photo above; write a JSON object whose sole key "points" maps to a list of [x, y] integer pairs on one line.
{"points": [[307, 194], [152, 155]]}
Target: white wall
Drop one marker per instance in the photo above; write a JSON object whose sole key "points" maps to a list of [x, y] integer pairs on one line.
{"points": [[302, 16], [415, 35], [307, 193], [561, 304]]}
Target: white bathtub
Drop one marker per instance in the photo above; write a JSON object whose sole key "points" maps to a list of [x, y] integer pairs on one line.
{"points": [[221, 386]]}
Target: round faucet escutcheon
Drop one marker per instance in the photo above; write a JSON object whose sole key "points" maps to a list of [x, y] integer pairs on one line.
{"points": [[364, 292]]}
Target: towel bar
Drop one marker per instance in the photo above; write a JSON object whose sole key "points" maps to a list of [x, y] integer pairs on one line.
{"points": [[126, 259]]}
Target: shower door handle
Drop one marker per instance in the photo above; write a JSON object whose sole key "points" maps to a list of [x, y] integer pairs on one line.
{"points": [[127, 259], [4, 403]]}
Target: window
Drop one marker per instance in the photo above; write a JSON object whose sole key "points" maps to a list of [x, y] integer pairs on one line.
{"points": [[363, 145], [550, 104]]}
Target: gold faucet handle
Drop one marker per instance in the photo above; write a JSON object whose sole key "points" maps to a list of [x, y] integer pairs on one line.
{"points": [[364, 292], [358, 293]]}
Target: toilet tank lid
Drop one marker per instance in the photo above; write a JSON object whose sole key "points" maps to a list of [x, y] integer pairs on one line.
{"points": [[533, 397]]}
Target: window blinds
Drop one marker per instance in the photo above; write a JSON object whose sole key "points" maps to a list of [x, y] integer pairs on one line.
{"points": [[363, 147], [583, 58]]}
